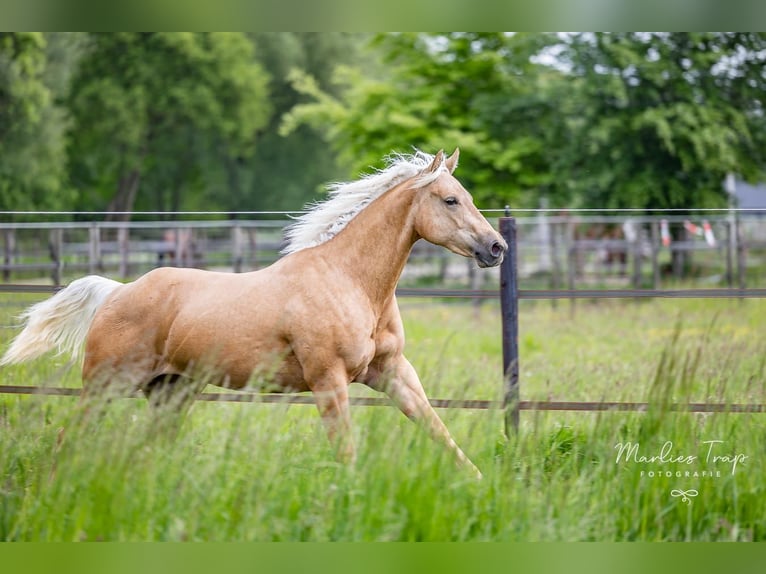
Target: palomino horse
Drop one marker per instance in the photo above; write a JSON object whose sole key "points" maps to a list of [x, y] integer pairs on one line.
{"points": [[323, 316]]}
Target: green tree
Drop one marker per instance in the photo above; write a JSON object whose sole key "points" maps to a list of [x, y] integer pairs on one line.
{"points": [[33, 78], [286, 171], [600, 120], [164, 113], [443, 91], [658, 120]]}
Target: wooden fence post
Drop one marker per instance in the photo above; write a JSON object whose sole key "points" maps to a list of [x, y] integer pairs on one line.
{"points": [[571, 263], [236, 248], [636, 252], [252, 236], [678, 254], [555, 263], [729, 254], [656, 242], [742, 279], [124, 246], [179, 247], [509, 301], [10, 250], [56, 239], [94, 248]]}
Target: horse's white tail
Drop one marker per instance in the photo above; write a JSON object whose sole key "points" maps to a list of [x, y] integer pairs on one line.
{"points": [[61, 322]]}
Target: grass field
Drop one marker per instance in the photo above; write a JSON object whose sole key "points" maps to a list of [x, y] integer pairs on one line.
{"points": [[266, 472]]}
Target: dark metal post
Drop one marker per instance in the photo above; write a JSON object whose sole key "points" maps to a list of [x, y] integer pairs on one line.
{"points": [[509, 301]]}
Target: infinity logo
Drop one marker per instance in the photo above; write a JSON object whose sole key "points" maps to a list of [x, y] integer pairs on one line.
{"points": [[686, 495]]}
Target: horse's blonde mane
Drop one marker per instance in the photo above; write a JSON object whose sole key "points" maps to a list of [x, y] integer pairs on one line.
{"points": [[327, 218]]}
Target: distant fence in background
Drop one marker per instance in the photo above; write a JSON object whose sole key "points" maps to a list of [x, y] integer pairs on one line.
{"points": [[643, 251], [556, 252], [125, 249], [236, 244], [58, 251]]}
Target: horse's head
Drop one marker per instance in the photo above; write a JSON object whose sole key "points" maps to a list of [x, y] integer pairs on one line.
{"points": [[446, 215]]}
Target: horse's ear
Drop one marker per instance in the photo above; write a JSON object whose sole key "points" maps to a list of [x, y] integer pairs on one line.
{"points": [[451, 161], [436, 163]]}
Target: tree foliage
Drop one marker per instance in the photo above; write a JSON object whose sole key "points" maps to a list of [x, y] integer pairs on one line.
{"points": [[174, 121], [164, 113], [604, 120], [437, 91], [286, 171], [32, 122], [660, 119]]}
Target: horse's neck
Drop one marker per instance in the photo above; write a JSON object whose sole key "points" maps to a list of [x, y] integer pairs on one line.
{"points": [[375, 245]]}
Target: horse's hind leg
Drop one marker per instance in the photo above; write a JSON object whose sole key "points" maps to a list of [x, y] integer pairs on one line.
{"points": [[118, 362], [171, 396], [164, 390]]}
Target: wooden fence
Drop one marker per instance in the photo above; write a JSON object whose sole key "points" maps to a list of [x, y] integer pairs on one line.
{"points": [[567, 252], [509, 294]]}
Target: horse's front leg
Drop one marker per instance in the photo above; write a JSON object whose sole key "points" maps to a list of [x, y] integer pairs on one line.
{"points": [[401, 382], [331, 396]]}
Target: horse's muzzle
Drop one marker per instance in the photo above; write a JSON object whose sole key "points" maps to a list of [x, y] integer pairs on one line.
{"points": [[490, 253]]}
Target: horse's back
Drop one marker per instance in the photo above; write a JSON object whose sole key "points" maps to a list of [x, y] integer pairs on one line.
{"points": [[171, 317]]}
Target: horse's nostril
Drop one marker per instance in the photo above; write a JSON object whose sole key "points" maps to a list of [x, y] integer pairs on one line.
{"points": [[496, 249]]}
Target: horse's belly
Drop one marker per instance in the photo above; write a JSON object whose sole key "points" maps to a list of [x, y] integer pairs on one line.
{"points": [[267, 373], [235, 360]]}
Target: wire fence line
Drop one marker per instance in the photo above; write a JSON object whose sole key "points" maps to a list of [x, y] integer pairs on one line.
{"points": [[471, 404], [550, 243], [658, 210], [497, 211], [590, 293], [522, 294]]}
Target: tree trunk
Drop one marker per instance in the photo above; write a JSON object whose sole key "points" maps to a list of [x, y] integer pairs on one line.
{"points": [[125, 198], [175, 202], [234, 181]]}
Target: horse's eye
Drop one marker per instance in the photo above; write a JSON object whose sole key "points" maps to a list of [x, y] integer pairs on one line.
{"points": [[451, 201]]}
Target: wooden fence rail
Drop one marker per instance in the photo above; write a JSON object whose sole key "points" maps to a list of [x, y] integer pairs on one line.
{"points": [[509, 295], [565, 248], [476, 404]]}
